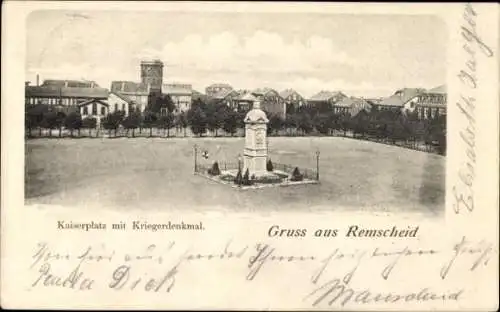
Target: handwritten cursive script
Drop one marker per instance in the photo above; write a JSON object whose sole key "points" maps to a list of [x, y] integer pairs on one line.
{"points": [[473, 44], [336, 272]]}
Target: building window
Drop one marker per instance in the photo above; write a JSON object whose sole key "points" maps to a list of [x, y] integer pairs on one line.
{"points": [[85, 110], [123, 106], [116, 107], [94, 109], [103, 110]]}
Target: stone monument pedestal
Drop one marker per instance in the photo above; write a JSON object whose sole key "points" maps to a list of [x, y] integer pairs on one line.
{"points": [[255, 152]]}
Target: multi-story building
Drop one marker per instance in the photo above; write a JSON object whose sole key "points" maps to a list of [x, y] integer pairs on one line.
{"points": [[152, 74], [64, 93], [244, 101], [181, 95], [396, 101], [95, 108], [118, 102], [198, 96], [138, 94], [324, 100], [407, 94], [135, 93], [226, 97], [270, 101], [215, 88], [351, 106], [428, 103], [392, 103], [292, 99]]}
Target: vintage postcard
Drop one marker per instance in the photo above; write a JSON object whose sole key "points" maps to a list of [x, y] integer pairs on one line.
{"points": [[250, 156]]}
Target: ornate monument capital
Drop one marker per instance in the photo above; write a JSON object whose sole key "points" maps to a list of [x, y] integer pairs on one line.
{"points": [[256, 115]]}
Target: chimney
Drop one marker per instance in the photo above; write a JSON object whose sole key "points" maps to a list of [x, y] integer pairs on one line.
{"points": [[37, 80], [92, 84], [65, 83], [123, 85]]}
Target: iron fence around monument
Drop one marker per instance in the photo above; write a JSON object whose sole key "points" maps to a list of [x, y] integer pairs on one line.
{"points": [[307, 174], [223, 166]]}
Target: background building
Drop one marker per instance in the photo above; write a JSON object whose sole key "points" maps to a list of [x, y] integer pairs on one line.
{"points": [[135, 93], [226, 97], [270, 101], [152, 74], [292, 99], [351, 106], [392, 103], [215, 88], [324, 100], [138, 94], [198, 96], [181, 95], [118, 102], [428, 104], [95, 108], [244, 102], [64, 93]]}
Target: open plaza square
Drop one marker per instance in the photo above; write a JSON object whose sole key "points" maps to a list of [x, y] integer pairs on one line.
{"points": [[148, 174]]}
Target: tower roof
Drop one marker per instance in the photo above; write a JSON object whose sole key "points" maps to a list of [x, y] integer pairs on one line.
{"points": [[151, 62]]}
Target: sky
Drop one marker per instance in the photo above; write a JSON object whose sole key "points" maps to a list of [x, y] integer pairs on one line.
{"points": [[361, 55]]}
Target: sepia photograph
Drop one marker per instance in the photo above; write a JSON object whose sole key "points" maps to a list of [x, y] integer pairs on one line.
{"points": [[249, 156], [236, 111]]}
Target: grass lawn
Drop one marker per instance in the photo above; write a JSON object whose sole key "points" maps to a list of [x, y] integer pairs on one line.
{"points": [[158, 174]]}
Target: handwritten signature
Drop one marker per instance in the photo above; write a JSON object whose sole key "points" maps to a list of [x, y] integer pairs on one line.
{"points": [[337, 290]]}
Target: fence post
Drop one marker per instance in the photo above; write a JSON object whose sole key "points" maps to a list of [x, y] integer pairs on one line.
{"points": [[195, 157], [317, 165]]}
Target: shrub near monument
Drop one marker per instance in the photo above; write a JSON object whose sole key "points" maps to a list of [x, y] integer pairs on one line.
{"points": [[214, 171]]}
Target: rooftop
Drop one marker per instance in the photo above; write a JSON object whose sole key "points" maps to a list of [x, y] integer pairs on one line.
{"points": [[326, 95], [220, 85], [249, 97], [123, 97], [74, 92], [177, 89], [262, 91], [222, 94], [151, 61], [69, 83], [345, 102], [407, 94], [129, 87], [438, 90], [350, 101], [393, 100], [287, 92]]}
